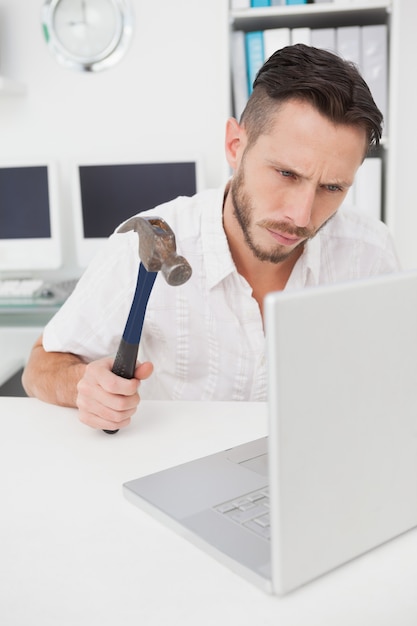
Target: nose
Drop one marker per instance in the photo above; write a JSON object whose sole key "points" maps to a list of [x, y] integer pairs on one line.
{"points": [[300, 206]]}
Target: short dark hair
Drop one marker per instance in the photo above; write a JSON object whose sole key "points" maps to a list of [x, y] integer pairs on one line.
{"points": [[331, 84]]}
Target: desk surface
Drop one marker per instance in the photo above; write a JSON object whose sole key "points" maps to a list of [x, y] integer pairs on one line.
{"points": [[75, 552]]}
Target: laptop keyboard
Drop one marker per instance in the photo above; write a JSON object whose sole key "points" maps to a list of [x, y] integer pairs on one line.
{"points": [[250, 511]]}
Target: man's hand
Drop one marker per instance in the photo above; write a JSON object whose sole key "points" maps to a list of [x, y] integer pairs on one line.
{"points": [[107, 401]]}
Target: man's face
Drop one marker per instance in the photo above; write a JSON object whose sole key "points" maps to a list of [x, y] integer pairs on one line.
{"points": [[290, 182]]}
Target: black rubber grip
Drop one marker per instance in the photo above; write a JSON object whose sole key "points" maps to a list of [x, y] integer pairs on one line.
{"points": [[125, 362], [124, 365]]}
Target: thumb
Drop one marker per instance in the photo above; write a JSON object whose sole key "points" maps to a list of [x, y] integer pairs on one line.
{"points": [[143, 370]]}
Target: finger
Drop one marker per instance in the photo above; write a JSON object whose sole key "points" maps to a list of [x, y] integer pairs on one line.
{"points": [[97, 422], [144, 370], [110, 390], [106, 405]]}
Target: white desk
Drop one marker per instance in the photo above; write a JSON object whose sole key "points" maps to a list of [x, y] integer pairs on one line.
{"points": [[74, 552]]}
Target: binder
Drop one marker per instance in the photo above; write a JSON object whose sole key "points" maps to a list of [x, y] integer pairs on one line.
{"points": [[324, 38], [239, 4], [349, 201], [254, 55], [239, 76], [301, 35], [275, 39], [348, 44], [374, 62], [368, 187]]}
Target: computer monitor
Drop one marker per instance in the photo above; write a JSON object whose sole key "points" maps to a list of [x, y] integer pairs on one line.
{"points": [[29, 216], [106, 194]]}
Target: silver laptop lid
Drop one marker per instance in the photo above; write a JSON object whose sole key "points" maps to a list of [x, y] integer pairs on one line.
{"points": [[342, 367]]}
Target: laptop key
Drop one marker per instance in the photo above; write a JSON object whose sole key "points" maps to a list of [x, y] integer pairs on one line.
{"points": [[262, 531], [225, 508], [243, 516], [263, 520], [251, 511]]}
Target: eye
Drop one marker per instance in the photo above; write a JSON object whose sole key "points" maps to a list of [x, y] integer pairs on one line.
{"points": [[286, 173], [333, 188]]}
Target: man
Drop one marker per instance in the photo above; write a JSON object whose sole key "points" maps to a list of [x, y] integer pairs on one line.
{"points": [[305, 131]]}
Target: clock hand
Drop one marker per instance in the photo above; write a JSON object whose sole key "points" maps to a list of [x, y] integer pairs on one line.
{"points": [[83, 11], [83, 19]]}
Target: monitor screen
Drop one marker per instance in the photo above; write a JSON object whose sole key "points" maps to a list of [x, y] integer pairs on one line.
{"points": [[106, 194], [29, 217]]}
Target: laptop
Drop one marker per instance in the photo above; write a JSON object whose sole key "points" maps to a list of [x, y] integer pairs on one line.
{"points": [[337, 474]]}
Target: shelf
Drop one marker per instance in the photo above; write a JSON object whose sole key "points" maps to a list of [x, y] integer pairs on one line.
{"points": [[10, 87], [323, 15]]}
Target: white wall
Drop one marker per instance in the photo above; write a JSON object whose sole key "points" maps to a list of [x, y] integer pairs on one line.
{"points": [[167, 96]]}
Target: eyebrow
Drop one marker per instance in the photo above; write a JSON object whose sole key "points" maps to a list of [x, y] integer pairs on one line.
{"points": [[293, 170]]}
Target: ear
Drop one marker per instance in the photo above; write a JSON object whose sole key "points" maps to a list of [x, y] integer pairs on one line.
{"points": [[235, 142]]}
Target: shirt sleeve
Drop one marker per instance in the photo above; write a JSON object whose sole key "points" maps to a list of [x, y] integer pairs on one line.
{"points": [[91, 322]]}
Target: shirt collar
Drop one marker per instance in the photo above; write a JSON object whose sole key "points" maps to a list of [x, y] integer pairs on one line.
{"points": [[217, 257], [306, 271]]}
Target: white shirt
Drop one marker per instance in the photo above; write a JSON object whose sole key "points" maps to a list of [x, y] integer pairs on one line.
{"points": [[205, 338]]}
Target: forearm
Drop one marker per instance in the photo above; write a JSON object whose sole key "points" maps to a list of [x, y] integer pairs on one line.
{"points": [[53, 376]]}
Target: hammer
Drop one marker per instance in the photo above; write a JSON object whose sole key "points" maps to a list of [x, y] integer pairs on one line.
{"points": [[157, 252]]}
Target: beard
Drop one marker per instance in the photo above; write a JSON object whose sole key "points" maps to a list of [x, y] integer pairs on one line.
{"points": [[243, 209]]}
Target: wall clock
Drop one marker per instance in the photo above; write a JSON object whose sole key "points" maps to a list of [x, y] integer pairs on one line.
{"points": [[87, 35]]}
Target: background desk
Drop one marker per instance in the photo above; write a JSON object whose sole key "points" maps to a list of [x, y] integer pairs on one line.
{"points": [[23, 316], [15, 345], [74, 552]]}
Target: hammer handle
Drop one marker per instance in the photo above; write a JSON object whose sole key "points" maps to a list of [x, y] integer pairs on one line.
{"points": [[133, 329], [124, 365], [125, 361]]}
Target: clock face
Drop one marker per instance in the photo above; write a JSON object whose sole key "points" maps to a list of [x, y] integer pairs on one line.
{"points": [[87, 34]]}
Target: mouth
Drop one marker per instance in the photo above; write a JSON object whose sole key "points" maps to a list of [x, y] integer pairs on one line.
{"points": [[285, 239]]}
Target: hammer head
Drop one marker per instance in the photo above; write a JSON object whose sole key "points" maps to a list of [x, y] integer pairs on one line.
{"points": [[157, 248]]}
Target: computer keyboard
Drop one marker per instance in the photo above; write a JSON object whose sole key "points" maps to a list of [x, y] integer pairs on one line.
{"points": [[57, 289], [22, 287], [36, 289], [251, 510]]}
